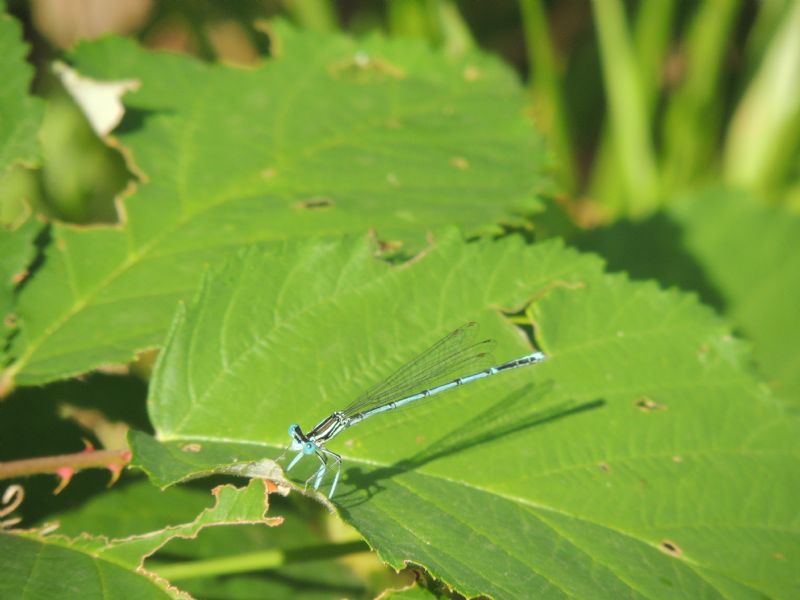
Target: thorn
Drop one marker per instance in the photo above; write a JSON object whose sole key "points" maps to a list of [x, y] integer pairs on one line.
{"points": [[115, 473], [65, 473], [88, 446]]}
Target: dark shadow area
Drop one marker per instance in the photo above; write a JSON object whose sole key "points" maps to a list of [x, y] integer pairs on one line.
{"points": [[40, 242], [652, 249], [34, 422], [511, 415], [297, 585], [135, 119]]}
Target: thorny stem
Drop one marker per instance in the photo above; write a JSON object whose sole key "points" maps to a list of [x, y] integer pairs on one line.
{"points": [[53, 464]]}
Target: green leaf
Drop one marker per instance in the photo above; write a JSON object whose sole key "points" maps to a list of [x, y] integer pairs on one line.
{"points": [[97, 567], [640, 459], [741, 255], [333, 135], [38, 568], [16, 252], [750, 253], [20, 113]]}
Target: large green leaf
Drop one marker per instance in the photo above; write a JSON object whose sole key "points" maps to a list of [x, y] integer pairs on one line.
{"points": [[20, 117], [750, 253], [738, 253], [20, 113], [641, 459], [55, 566], [332, 135]]}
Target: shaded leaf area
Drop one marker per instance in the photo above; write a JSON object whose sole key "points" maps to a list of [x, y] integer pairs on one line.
{"points": [[333, 135], [139, 507], [741, 255], [751, 253], [17, 250], [38, 569], [111, 567], [56, 419], [413, 592], [622, 466], [20, 113]]}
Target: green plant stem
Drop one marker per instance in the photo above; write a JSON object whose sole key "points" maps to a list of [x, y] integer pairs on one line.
{"points": [[760, 149], [545, 86], [628, 114], [652, 30], [318, 15], [255, 561], [456, 35], [409, 18], [694, 113]]}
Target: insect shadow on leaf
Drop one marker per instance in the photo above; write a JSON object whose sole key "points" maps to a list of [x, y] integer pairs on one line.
{"points": [[499, 420]]}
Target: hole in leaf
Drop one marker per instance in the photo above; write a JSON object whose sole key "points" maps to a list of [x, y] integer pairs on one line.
{"points": [[317, 203], [191, 448], [459, 162], [647, 404], [671, 548], [604, 467]]}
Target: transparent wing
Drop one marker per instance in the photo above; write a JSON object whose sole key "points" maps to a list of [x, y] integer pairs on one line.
{"points": [[449, 358]]}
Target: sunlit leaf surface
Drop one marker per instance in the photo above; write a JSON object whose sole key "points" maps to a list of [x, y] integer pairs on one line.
{"points": [[332, 135], [623, 466]]}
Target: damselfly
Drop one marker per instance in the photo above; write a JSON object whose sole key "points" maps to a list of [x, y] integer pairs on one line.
{"points": [[421, 378]]}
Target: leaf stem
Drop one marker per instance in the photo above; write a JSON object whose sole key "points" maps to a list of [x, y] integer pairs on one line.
{"points": [[628, 115], [764, 133], [255, 561], [694, 113], [652, 29], [317, 15], [545, 87]]}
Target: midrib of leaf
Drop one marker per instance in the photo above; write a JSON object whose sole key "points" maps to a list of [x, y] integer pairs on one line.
{"points": [[403, 525], [532, 507], [597, 557], [538, 506], [97, 556]]}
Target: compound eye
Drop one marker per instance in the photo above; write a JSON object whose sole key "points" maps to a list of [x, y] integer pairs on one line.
{"points": [[292, 428], [309, 448]]}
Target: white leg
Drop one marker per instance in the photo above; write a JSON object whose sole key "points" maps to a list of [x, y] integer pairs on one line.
{"points": [[338, 460], [320, 471], [294, 460]]}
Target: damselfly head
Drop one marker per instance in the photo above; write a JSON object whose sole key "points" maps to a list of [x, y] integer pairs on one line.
{"points": [[298, 439]]}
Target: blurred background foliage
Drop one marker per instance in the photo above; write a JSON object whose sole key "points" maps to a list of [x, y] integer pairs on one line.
{"points": [[645, 103], [641, 101]]}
